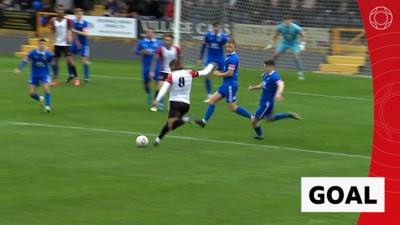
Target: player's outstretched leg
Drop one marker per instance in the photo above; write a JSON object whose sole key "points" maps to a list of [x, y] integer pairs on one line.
{"points": [[299, 66], [47, 97], [147, 89], [257, 128], [210, 109], [72, 67], [280, 116], [208, 85], [54, 67], [171, 124], [35, 96], [86, 69]]}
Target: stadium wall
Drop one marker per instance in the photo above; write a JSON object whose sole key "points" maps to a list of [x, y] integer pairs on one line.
{"points": [[119, 50]]}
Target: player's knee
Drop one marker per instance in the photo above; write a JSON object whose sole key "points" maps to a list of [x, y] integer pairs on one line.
{"points": [[232, 107], [85, 61], [254, 122]]}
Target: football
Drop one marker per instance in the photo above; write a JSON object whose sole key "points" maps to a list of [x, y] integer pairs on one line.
{"points": [[142, 141]]}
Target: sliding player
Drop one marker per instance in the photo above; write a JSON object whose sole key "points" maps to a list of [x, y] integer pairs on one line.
{"points": [[40, 59], [80, 44], [180, 81], [215, 40], [62, 30], [272, 88], [228, 88], [166, 54], [290, 33], [147, 48]]}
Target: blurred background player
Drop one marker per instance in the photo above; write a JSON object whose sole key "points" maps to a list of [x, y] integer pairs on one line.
{"points": [[62, 30], [180, 81], [215, 40], [228, 87], [80, 44], [290, 33], [147, 48], [40, 59], [272, 88], [166, 53]]}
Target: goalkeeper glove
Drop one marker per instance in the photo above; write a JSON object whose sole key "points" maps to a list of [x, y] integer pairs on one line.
{"points": [[302, 46]]}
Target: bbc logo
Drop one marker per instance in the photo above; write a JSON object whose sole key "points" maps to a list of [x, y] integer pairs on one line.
{"points": [[342, 194]]}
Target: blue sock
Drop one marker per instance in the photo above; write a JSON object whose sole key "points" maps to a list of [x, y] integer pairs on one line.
{"points": [[299, 65], [210, 111], [35, 96], [47, 98], [243, 112], [259, 131], [86, 71], [280, 116], [54, 67], [208, 86]]}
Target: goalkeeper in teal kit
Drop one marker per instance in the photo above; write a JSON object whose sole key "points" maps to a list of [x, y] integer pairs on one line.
{"points": [[291, 33]]}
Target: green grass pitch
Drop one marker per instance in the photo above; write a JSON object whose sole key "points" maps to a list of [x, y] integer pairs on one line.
{"points": [[79, 164]]}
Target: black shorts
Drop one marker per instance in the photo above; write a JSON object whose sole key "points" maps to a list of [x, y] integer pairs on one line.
{"points": [[162, 76], [58, 50], [178, 109]]}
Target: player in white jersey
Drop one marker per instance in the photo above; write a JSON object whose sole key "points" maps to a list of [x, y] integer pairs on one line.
{"points": [[180, 82], [166, 53], [62, 30]]}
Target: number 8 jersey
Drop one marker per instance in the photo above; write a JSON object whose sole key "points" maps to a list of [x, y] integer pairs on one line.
{"points": [[181, 84]]}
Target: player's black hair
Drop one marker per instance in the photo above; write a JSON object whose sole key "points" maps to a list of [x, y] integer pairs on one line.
{"points": [[287, 17], [60, 6], [176, 64], [149, 28], [216, 23], [269, 62], [42, 40], [169, 35]]}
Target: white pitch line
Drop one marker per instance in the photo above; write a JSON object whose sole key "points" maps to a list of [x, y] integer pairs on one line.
{"points": [[17, 123], [288, 92], [242, 88]]}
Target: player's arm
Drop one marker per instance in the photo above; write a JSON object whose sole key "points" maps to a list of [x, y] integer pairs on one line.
{"points": [[302, 41], [84, 32], [23, 63], [207, 70], [163, 91], [52, 28], [70, 32], [154, 62], [203, 49], [228, 73], [279, 90], [272, 42], [255, 87], [139, 49]]}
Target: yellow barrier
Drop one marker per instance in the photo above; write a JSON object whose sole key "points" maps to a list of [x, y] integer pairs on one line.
{"points": [[352, 43]]}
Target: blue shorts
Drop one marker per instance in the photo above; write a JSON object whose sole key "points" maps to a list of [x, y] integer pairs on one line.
{"points": [[84, 51], [219, 62], [264, 110], [228, 91], [282, 47], [37, 80]]}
